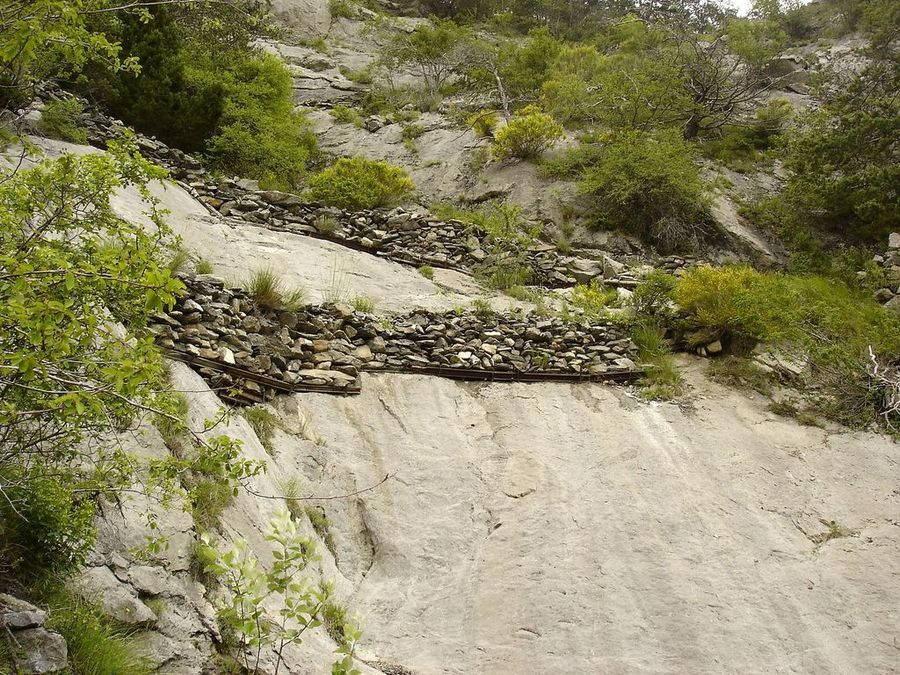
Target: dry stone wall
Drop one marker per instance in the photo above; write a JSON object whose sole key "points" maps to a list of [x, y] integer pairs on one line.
{"points": [[411, 237], [889, 261], [249, 353]]}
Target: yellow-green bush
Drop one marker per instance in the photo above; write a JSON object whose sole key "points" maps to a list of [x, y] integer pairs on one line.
{"points": [[527, 135], [483, 123], [830, 324], [357, 183]]}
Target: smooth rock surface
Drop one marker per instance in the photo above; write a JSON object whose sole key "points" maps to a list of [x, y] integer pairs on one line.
{"points": [[557, 528]]}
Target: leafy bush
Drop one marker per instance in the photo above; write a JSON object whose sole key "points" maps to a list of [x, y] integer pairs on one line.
{"points": [[432, 51], [648, 184], [593, 298], [527, 135], [204, 87], [483, 123], [50, 528], [843, 160], [427, 271], [59, 119], [739, 146], [258, 135], [66, 376], [358, 183], [653, 296]]}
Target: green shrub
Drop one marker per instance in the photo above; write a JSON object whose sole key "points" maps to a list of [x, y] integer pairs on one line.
{"points": [[412, 131], [483, 123], [358, 183], [647, 183], [662, 381], [202, 556], [264, 423], [59, 119], [334, 617], [427, 271], [740, 146], [50, 529], [205, 87], [259, 135], [96, 646], [593, 298], [527, 135], [360, 75], [482, 309], [345, 115], [204, 266], [209, 498], [341, 9], [653, 296]]}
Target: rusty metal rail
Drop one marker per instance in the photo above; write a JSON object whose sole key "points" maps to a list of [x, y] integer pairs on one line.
{"points": [[265, 380], [479, 375], [467, 374]]}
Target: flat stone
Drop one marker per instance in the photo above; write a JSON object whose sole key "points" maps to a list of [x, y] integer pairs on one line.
{"points": [[16, 613]]}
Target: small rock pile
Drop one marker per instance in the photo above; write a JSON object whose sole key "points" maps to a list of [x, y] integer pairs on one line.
{"points": [[889, 295], [33, 648], [250, 353]]}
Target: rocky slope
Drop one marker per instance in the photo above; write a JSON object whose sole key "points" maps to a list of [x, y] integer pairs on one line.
{"points": [[522, 527]]}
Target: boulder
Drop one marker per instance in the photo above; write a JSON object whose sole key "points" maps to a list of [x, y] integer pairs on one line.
{"points": [[40, 651]]}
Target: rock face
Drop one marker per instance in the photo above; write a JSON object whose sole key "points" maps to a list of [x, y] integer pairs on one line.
{"points": [[529, 524], [33, 648]]}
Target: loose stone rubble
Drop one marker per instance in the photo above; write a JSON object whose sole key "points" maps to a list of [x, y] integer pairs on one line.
{"points": [[889, 294], [250, 353]]}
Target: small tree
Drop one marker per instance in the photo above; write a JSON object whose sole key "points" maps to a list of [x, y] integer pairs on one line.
{"points": [[432, 51], [527, 135], [248, 587]]}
